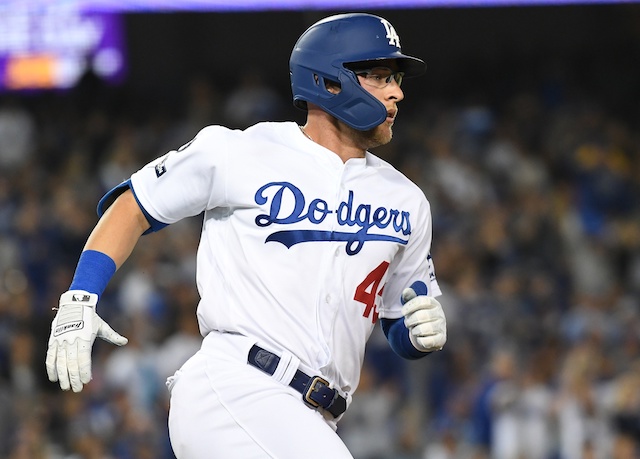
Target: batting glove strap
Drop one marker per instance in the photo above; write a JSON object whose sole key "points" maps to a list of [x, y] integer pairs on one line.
{"points": [[425, 319], [71, 313]]}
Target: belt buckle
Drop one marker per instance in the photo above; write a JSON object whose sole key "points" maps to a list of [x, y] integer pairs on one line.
{"points": [[313, 387]]}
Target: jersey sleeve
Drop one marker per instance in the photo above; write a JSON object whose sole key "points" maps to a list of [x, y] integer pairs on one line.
{"points": [[186, 181], [413, 264]]}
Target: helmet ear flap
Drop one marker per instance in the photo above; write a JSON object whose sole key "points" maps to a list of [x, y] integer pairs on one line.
{"points": [[351, 104], [331, 87], [356, 106]]}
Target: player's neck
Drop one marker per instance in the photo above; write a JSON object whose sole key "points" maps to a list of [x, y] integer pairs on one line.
{"points": [[334, 137]]}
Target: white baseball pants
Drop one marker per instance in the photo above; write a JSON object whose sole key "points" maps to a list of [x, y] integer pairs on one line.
{"points": [[222, 407]]}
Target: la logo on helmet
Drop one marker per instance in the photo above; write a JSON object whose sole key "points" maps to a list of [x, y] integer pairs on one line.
{"points": [[393, 37]]}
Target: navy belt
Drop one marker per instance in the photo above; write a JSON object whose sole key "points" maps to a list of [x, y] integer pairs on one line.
{"points": [[315, 390]]}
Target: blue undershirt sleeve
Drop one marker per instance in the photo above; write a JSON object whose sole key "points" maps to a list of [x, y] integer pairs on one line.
{"points": [[116, 191]]}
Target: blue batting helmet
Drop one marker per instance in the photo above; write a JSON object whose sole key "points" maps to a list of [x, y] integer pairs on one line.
{"points": [[327, 50]]}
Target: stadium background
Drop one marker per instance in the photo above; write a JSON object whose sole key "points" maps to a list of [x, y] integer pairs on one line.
{"points": [[524, 136]]}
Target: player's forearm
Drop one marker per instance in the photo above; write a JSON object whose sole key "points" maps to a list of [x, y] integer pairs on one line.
{"points": [[119, 229]]}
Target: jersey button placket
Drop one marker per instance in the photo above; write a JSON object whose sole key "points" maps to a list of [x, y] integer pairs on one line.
{"points": [[333, 278]]}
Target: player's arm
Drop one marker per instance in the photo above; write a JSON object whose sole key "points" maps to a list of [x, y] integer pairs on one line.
{"points": [[423, 327], [119, 229], [76, 324]]}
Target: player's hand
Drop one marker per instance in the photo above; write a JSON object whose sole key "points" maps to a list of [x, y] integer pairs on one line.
{"points": [[73, 331], [424, 317]]}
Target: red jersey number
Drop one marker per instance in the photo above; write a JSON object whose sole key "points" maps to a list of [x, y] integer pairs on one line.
{"points": [[367, 292]]}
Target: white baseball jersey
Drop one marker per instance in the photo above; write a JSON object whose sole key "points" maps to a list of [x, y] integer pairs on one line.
{"points": [[298, 250]]}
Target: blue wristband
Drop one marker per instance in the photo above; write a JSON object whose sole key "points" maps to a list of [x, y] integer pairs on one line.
{"points": [[398, 336], [93, 273]]}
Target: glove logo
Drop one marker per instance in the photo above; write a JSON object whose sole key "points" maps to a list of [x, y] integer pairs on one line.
{"points": [[71, 326], [81, 298]]}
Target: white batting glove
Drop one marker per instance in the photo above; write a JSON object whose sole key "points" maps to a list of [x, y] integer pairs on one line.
{"points": [[73, 331], [424, 317]]}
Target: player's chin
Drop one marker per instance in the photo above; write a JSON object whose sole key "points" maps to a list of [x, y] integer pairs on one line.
{"points": [[384, 132], [377, 136]]}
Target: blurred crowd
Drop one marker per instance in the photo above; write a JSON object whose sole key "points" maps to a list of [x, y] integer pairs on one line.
{"points": [[536, 245]]}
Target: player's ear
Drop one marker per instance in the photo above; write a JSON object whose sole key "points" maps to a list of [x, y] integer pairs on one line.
{"points": [[332, 86]]}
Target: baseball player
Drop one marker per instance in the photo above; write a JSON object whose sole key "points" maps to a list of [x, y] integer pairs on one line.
{"points": [[308, 241]]}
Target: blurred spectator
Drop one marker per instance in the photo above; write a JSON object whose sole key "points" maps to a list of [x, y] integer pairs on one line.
{"points": [[253, 100], [494, 421], [121, 158], [369, 430], [581, 426], [17, 135], [536, 437]]}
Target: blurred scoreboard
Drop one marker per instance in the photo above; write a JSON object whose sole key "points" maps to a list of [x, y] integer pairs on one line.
{"points": [[47, 47], [51, 44]]}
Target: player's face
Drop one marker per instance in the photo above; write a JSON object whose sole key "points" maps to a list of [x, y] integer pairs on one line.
{"points": [[384, 84]]}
